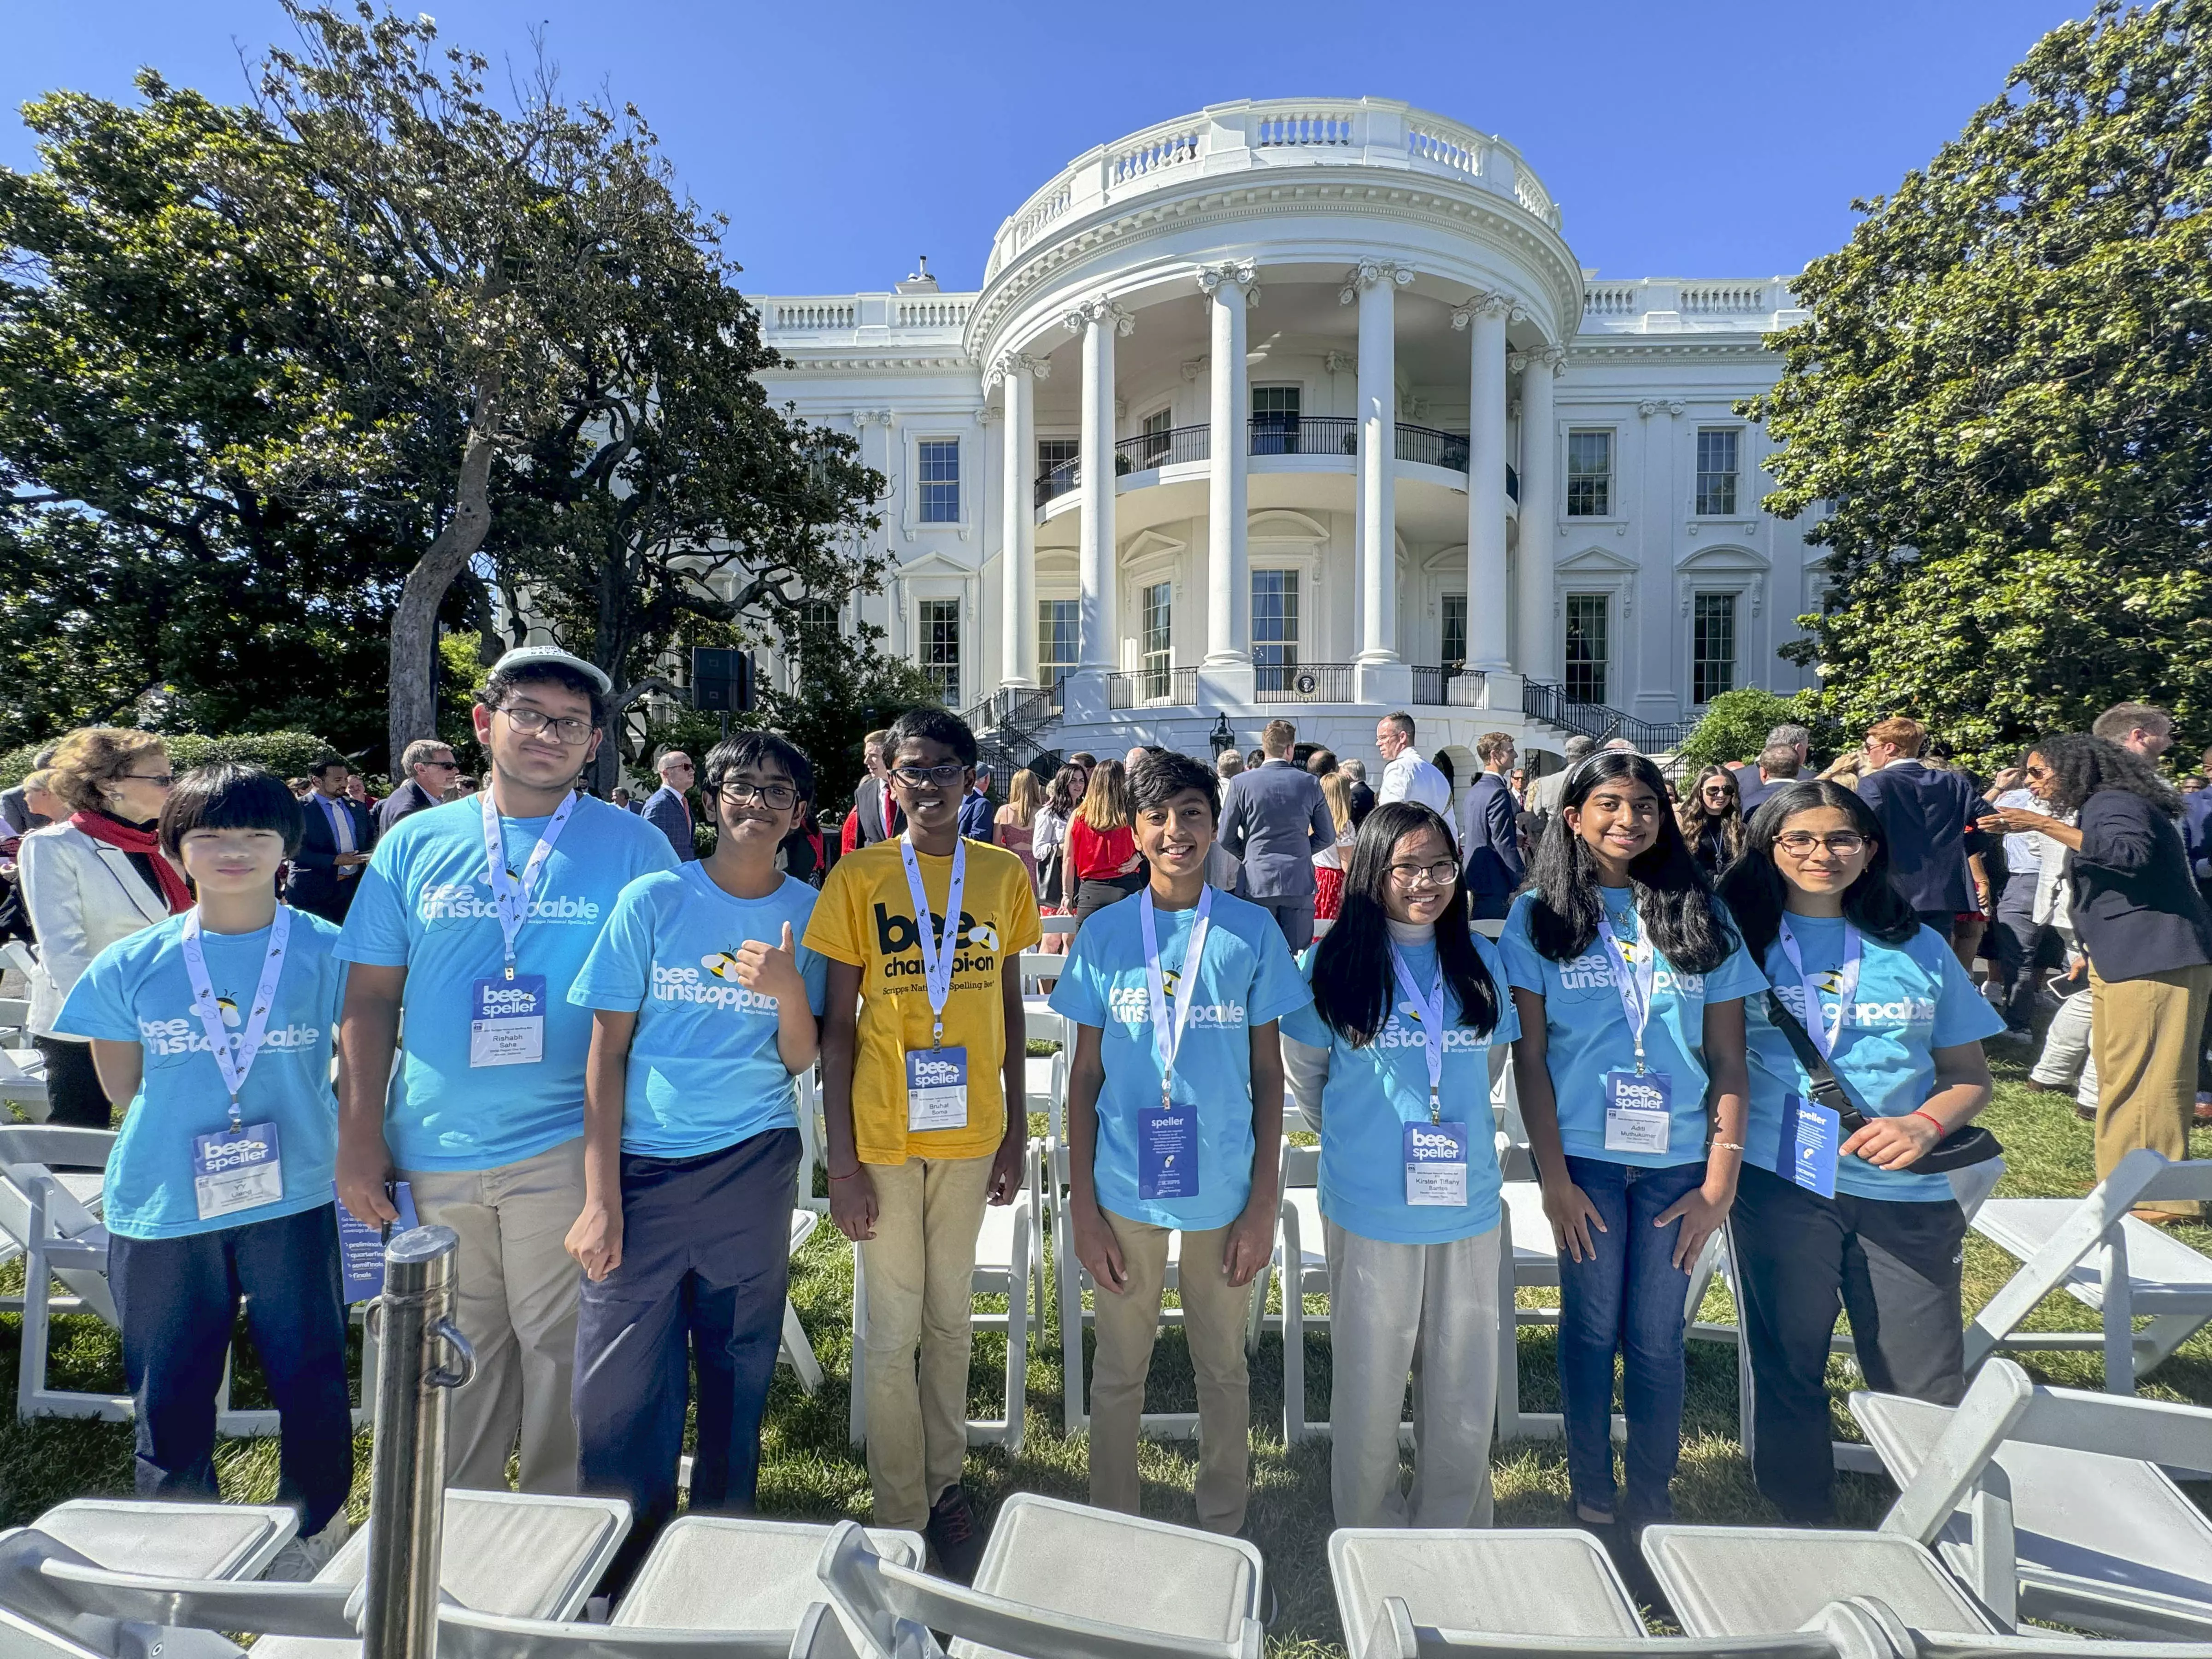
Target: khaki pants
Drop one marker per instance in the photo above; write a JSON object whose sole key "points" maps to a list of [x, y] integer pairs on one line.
{"points": [[921, 1268], [1432, 1311], [1214, 1315], [2143, 1033], [517, 1306]]}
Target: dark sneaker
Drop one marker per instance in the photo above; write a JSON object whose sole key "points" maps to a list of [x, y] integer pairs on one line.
{"points": [[952, 1535]]}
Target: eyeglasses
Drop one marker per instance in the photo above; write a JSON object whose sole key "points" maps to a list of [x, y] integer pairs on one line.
{"points": [[159, 779], [915, 776], [1800, 843], [569, 729], [2035, 771], [777, 796], [1442, 873], [441, 766]]}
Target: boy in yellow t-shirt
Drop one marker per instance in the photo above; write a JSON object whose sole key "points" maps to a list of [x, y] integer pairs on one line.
{"points": [[915, 1099]]}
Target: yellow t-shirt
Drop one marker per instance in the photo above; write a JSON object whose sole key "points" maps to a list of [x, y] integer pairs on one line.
{"points": [[865, 918]]}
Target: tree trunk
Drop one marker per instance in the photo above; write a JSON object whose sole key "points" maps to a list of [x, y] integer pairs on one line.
{"points": [[610, 756], [412, 705]]}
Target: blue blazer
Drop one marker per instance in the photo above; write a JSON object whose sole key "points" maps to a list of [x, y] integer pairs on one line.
{"points": [[664, 810], [1926, 815], [315, 885], [1492, 845]]}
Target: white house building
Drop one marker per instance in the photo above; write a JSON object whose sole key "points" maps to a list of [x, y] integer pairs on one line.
{"points": [[1307, 407]]}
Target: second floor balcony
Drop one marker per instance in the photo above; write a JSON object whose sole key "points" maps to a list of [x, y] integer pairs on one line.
{"points": [[1331, 438]]}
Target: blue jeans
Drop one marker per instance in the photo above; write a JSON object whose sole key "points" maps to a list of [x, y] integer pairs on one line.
{"points": [[177, 1300], [705, 1265], [1626, 1299]]}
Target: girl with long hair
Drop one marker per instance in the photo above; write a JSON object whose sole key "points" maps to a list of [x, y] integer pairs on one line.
{"points": [[1711, 816], [1011, 824], [1049, 837], [1392, 1064], [1328, 863], [1102, 843], [1823, 1218], [1629, 981]]}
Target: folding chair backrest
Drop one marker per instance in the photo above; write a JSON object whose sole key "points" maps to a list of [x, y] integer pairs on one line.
{"points": [[2191, 1179], [1050, 925], [176, 1540], [1301, 1166], [1547, 1582], [1843, 1631], [463, 1633], [738, 1572], [48, 1585], [19, 957], [512, 1554], [42, 1145], [879, 1598]]}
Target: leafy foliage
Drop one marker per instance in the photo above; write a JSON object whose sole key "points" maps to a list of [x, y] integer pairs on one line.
{"points": [[285, 753], [2004, 405], [1735, 725]]}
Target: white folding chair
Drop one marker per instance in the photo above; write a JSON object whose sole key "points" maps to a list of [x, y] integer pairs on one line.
{"points": [[811, 1154], [2104, 1259], [796, 1351], [16, 1022], [1299, 1266], [23, 1084], [173, 1539]]}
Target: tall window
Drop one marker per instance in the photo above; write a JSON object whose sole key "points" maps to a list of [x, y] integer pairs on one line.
{"points": [[1712, 645], [1454, 653], [1056, 461], [1058, 625], [1153, 430], [816, 628], [1587, 646], [1159, 645], [1274, 420], [1274, 628], [940, 647], [939, 460], [1589, 475], [1716, 471]]}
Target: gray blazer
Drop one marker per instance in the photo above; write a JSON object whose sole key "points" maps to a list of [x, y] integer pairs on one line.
{"points": [[1275, 819]]}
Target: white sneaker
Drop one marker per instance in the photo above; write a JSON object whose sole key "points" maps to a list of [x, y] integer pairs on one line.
{"points": [[303, 1557]]}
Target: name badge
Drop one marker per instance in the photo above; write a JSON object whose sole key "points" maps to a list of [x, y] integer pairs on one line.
{"points": [[1435, 1164], [1639, 1111], [508, 1025], [936, 1088], [1167, 1152], [1811, 1135], [361, 1246], [236, 1169]]}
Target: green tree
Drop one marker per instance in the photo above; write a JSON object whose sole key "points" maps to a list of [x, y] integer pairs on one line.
{"points": [[2003, 406], [1735, 725]]}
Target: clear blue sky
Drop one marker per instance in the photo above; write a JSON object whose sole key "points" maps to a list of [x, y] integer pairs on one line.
{"points": [[841, 139]]}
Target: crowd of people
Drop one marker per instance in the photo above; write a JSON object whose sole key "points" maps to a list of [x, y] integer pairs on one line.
{"points": [[1740, 998]]}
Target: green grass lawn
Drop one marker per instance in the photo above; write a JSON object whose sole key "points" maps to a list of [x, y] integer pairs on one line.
{"points": [[809, 1471]]}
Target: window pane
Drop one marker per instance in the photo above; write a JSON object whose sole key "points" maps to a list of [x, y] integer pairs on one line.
{"points": [[940, 647], [939, 462], [1274, 627], [1716, 471], [1058, 622], [1712, 646], [1587, 646], [1158, 613], [1275, 420], [1589, 475], [1454, 651]]}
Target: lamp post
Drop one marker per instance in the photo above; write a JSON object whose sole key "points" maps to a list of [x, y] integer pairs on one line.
{"points": [[1221, 737]]}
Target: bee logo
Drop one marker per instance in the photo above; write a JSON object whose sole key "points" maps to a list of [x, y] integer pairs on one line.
{"points": [[229, 1011], [1830, 981], [983, 937], [722, 964], [1408, 1012]]}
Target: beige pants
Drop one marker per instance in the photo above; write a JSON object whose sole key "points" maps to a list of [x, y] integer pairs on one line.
{"points": [[2143, 1033], [921, 1268], [517, 1309], [1432, 1311], [1214, 1315]]}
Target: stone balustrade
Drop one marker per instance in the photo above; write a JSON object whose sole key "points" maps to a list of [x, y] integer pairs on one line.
{"points": [[1659, 305]]}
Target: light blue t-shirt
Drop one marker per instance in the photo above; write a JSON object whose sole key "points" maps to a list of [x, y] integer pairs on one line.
{"points": [[1587, 1034], [1373, 1093], [1247, 979], [1912, 1000], [704, 1072], [137, 991], [425, 904]]}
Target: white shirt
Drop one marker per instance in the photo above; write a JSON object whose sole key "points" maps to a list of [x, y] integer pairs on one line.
{"points": [[1411, 778]]}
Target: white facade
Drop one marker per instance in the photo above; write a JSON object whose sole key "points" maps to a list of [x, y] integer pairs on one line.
{"points": [[1305, 331]]}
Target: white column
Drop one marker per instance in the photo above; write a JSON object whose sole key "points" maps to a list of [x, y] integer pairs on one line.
{"points": [[1099, 321], [1484, 318], [1017, 589], [1230, 287], [1373, 284], [1539, 521]]}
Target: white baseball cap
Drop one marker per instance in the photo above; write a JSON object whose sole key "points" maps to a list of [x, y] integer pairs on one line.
{"points": [[549, 656]]}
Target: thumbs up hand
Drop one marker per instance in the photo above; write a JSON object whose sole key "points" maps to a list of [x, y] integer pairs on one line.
{"points": [[771, 970]]}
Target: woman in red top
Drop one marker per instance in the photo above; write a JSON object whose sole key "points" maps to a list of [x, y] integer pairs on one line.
{"points": [[1102, 848]]}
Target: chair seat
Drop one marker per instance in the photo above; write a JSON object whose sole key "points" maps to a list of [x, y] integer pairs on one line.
{"points": [[995, 1242], [1037, 1072], [1535, 1255], [174, 1541], [734, 1573], [1768, 1581], [1313, 1254], [2164, 1275], [2077, 1515], [1535, 1583]]}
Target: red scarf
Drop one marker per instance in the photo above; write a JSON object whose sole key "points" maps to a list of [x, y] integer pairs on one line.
{"points": [[116, 833]]}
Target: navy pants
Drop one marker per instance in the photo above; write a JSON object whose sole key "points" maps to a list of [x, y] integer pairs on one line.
{"points": [[705, 1266], [178, 1301], [1626, 1299]]}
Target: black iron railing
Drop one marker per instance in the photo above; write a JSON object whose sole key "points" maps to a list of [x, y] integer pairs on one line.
{"points": [[1311, 435], [1547, 701], [1431, 447], [1172, 687], [1302, 682], [1430, 683], [1308, 435], [1173, 448]]}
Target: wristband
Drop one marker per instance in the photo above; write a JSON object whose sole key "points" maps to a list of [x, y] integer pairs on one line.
{"points": [[1921, 1112], [848, 1176], [1730, 1145]]}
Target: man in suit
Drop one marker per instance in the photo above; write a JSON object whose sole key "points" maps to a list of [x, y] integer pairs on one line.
{"points": [[1545, 793], [1491, 837], [668, 808], [1363, 798], [1782, 761], [1926, 814], [429, 769], [975, 807], [875, 816], [326, 870], [1275, 818], [621, 796]]}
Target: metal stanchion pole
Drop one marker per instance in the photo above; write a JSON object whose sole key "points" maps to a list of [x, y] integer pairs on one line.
{"points": [[407, 1482]]}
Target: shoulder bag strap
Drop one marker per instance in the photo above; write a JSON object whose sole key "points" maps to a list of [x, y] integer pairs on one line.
{"points": [[1828, 1088]]}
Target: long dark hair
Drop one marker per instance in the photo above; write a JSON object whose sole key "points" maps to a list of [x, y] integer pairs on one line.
{"points": [[2081, 765], [1353, 983], [1064, 793], [1756, 891], [1672, 897], [1695, 816]]}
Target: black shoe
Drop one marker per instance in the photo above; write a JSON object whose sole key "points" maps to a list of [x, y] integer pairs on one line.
{"points": [[952, 1535]]}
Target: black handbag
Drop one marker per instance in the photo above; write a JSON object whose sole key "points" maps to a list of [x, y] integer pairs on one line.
{"points": [[1956, 1151]]}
